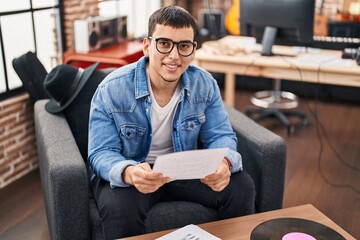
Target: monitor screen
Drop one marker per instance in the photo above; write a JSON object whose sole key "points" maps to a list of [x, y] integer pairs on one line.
{"points": [[285, 22]]}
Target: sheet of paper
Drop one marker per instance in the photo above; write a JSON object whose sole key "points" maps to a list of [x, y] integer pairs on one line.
{"points": [[189, 232], [194, 164]]}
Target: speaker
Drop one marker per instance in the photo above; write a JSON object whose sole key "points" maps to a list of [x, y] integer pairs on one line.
{"points": [[87, 36], [212, 22], [93, 34], [97, 32], [122, 29], [108, 32]]}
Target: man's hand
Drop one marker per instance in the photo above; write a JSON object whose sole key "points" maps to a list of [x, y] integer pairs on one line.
{"points": [[218, 180], [144, 178]]}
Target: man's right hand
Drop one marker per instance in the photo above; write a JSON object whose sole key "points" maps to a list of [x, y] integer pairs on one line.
{"points": [[144, 178]]}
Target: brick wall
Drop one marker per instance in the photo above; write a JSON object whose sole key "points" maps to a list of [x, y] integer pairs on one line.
{"points": [[18, 155], [17, 139]]}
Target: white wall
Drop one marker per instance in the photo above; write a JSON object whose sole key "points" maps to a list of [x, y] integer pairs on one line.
{"points": [[138, 12]]}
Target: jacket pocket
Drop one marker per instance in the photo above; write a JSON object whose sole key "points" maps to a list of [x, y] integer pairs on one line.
{"points": [[193, 122], [132, 141], [132, 131]]}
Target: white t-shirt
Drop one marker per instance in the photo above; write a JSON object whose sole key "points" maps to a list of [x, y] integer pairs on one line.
{"points": [[161, 121]]}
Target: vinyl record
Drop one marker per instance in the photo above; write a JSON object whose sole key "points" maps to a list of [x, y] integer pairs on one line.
{"points": [[276, 229]]}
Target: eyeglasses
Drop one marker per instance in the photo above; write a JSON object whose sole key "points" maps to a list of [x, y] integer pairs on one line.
{"points": [[166, 45]]}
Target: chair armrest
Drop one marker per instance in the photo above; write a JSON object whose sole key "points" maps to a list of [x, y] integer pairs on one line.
{"points": [[264, 158], [64, 177]]}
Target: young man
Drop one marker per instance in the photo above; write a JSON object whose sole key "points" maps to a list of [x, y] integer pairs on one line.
{"points": [[158, 105]]}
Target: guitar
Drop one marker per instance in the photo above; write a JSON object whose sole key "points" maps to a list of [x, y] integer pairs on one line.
{"points": [[232, 19], [321, 22]]}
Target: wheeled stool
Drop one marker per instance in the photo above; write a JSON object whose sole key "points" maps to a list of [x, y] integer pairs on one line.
{"points": [[276, 104]]}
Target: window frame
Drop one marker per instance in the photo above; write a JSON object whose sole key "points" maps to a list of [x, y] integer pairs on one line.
{"points": [[8, 93]]}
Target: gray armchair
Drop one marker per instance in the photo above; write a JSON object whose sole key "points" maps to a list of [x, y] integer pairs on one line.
{"points": [[72, 213]]}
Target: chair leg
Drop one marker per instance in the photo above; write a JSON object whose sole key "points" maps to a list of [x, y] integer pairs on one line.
{"points": [[257, 114], [285, 121], [303, 118]]}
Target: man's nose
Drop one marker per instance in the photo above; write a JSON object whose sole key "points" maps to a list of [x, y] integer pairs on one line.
{"points": [[174, 52]]}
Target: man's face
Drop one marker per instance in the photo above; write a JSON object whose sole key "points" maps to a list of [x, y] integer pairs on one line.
{"points": [[167, 68]]}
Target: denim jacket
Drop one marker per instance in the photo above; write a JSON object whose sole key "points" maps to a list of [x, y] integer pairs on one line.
{"points": [[120, 132]]}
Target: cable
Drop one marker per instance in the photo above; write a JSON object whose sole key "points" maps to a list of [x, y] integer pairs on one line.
{"points": [[319, 164], [320, 128], [324, 131]]}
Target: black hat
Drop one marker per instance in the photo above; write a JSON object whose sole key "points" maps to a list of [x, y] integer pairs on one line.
{"points": [[64, 83]]}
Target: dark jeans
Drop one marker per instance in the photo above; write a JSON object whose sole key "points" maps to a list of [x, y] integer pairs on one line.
{"points": [[124, 210]]}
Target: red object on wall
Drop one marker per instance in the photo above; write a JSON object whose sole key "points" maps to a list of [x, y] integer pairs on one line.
{"points": [[116, 55]]}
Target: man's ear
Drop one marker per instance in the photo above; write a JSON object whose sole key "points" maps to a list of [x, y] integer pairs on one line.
{"points": [[146, 44]]}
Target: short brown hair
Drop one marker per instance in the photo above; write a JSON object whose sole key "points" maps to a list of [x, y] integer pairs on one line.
{"points": [[173, 16]]}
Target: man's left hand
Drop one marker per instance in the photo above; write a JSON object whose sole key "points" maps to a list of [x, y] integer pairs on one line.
{"points": [[218, 180]]}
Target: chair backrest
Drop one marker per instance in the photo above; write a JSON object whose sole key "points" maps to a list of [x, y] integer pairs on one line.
{"points": [[32, 74], [77, 113]]}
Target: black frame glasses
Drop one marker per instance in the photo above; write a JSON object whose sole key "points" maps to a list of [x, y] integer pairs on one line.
{"points": [[166, 45]]}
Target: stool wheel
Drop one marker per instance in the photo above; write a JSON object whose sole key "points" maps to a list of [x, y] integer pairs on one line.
{"points": [[304, 122], [290, 130]]}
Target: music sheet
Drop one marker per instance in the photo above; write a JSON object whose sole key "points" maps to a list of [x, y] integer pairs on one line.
{"points": [[194, 164]]}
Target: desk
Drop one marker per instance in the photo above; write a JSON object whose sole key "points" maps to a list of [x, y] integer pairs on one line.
{"points": [[240, 228], [242, 58], [116, 55]]}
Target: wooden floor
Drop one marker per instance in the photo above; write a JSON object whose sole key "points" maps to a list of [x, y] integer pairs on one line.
{"points": [[323, 168]]}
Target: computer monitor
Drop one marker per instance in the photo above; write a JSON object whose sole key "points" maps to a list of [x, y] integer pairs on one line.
{"points": [[284, 22]]}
